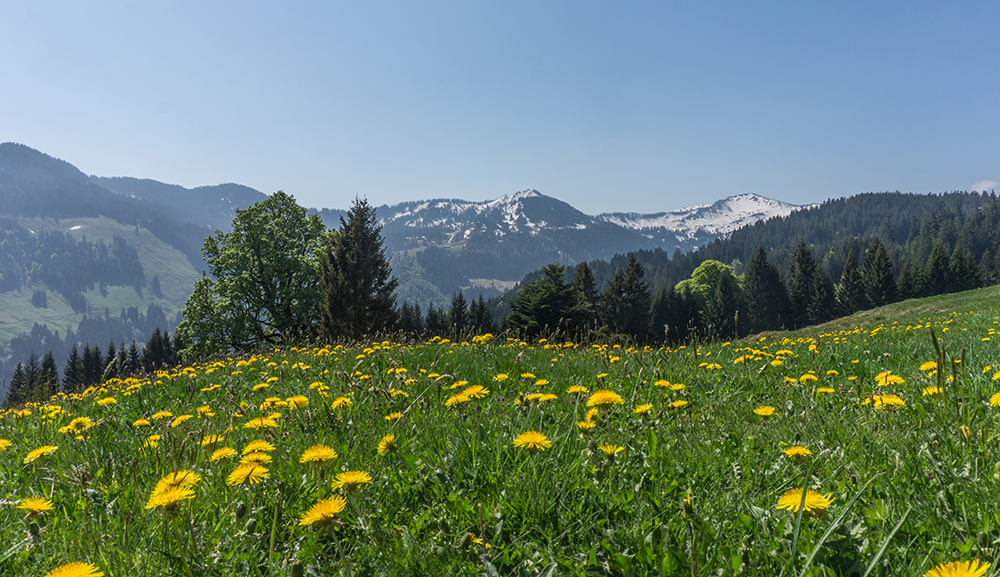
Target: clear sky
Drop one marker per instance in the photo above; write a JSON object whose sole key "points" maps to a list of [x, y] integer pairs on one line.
{"points": [[610, 106]]}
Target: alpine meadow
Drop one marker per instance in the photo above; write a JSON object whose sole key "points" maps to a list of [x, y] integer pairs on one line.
{"points": [[315, 426]]}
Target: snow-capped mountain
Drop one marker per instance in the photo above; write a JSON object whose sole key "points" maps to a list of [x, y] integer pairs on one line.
{"points": [[531, 213]]}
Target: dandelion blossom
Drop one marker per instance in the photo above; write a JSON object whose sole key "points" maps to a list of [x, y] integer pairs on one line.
{"points": [[211, 439], [161, 415], [456, 399], [259, 457], [533, 441], [678, 404], [318, 454], [764, 410], [4, 443], [610, 449], [813, 502], [351, 480], [341, 402], [323, 511], [604, 398], [500, 377], [932, 391], [223, 453], [797, 453], [248, 474], [959, 569], [585, 426], [886, 378], [388, 443], [476, 392], [169, 497], [260, 423], [141, 423], [393, 416], [78, 569], [257, 445], [643, 409], [297, 402], [39, 453], [35, 505]]}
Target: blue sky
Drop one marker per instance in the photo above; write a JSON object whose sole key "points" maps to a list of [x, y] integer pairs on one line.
{"points": [[610, 106]]}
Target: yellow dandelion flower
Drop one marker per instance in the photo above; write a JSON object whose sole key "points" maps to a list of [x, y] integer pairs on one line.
{"points": [[260, 423], [527, 376], [792, 499], [297, 402], [106, 401], [604, 398], [40, 453], [764, 410], [211, 439], [995, 400], [592, 414], [161, 415], [824, 390], [675, 386], [257, 445], [318, 454], [259, 457], [776, 363], [4, 443], [388, 443], [223, 453], [713, 366], [577, 390], [932, 391], [601, 375], [211, 388], [180, 419], [500, 377], [887, 402], [151, 442], [476, 392], [797, 453], [351, 480], [341, 402], [260, 386], [533, 441], [77, 569], [323, 511], [247, 474], [996, 376], [790, 380], [35, 505], [141, 423], [169, 497], [832, 373], [928, 366], [662, 383], [393, 416], [643, 409], [610, 449], [886, 378], [204, 411], [585, 426], [456, 399], [959, 569], [678, 404]]}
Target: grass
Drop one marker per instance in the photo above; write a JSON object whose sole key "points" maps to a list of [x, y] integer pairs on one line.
{"points": [[694, 491]]}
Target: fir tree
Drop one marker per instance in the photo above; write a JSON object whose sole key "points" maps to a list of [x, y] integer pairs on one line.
{"points": [[877, 276], [721, 309], [133, 358], [764, 294], [93, 365], [586, 288], [938, 269], [851, 291], [480, 319], [357, 285], [823, 302], [48, 378], [434, 321], [73, 373], [111, 356], [18, 389], [626, 303], [410, 320], [458, 315], [546, 305], [801, 285], [910, 284]]}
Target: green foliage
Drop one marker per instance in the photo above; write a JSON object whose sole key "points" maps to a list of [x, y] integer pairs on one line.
{"points": [[264, 280], [358, 289], [547, 306], [877, 276], [764, 295], [626, 302]]}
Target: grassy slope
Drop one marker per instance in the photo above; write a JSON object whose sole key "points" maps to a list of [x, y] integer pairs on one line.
{"points": [[176, 274], [930, 466]]}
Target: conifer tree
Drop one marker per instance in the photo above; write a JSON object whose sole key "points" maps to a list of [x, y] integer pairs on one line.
{"points": [[73, 373], [458, 315], [877, 276], [801, 285], [111, 356], [851, 291], [938, 270], [910, 284], [823, 302], [546, 305], [586, 288], [722, 308], [134, 358], [357, 286], [17, 391], [93, 366], [48, 378], [626, 302], [434, 321], [480, 319], [964, 273], [764, 295], [411, 321]]}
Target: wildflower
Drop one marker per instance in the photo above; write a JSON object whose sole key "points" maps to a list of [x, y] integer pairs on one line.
{"points": [[824, 390], [533, 441], [476, 392], [610, 449], [529, 376], [77, 569], [151, 442], [258, 457], [388, 443], [886, 378], [394, 416], [808, 377], [776, 363], [932, 391], [764, 410], [959, 569], [675, 386], [642, 409], [662, 383], [713, 366], [260, 423], [260, 386], [585, 426], [161, 415], [211, 388], [318, 454], [456, 399], [141, 423], [247, 474], [257, 445], [180, 419], [170, 497], [351, 480], [35, 505], [298, 402], [223, 453], [797, 453], [107, 401], [995, 400], [211, 439], [77, 426], [813, 502], [39, 453], [204, 411], [341, 402], [592, 414], [500, 377], [323, 511], [604, 398], [790, 380], [541, 382], [928, 366], [4, 443], [677, 404], [885, 402], [601, 375], [832, 373], [577, 390]]}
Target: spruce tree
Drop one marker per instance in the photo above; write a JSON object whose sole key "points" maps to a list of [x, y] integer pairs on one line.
{"points": [[111, 356], [480, 319], [546, 305], [938, 270], [17, 391], [73, 374], [93, 365], [586, 288], [764, 295], [458, 315], [357, 286], [721, 310], [801, 285], [851, 291], [410, 320], [626, 302], [48, 378], [134, 358], [964, 273], [877, 275], [434, 322], [823, 302]]}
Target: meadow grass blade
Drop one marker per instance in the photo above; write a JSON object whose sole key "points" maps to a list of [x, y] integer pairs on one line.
{"points": [[885, 544], [833, 526]]}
